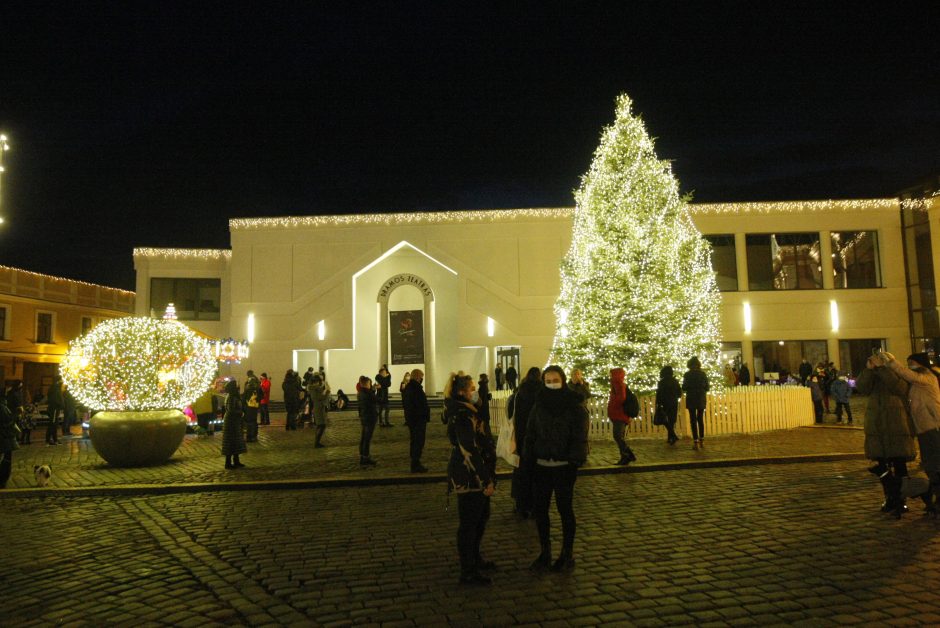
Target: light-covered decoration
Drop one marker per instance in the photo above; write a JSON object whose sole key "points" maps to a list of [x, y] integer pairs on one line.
{"points": [[170, 313], [637, 286], [20, 271], [137, 364], [229, 350], [184, 254], [399, 219]]}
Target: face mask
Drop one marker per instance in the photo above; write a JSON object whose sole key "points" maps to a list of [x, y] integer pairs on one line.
{"points": [[475, 397], [554, 385]]}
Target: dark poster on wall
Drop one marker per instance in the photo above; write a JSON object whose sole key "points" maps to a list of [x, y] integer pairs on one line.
{"points": [[406, 332]]}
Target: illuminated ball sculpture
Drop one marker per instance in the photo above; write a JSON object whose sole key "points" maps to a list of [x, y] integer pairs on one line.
{"points": [[140, 372]]}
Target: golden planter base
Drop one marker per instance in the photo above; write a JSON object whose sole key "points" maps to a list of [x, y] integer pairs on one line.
{"points": [[134, 439]]}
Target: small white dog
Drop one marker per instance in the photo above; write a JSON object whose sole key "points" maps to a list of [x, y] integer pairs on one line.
{"points": [[43, 474]]}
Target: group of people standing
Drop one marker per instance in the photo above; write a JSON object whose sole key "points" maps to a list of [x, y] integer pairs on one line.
{"points": [[552, 443], [903, 405]]}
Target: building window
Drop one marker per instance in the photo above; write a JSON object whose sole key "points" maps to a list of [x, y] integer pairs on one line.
{"points": [[86, 324], [194, 299], [784, 357], [783, 261], [855, 260], [724, 262], [4, 319], [921, 287], [853, 354], [44, 327]]}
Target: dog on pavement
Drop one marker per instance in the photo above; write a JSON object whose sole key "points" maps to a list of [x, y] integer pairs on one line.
{"points": [[43, 474]]}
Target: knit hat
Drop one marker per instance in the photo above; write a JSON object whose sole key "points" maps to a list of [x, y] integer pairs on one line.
{"points": [[920, 358]]}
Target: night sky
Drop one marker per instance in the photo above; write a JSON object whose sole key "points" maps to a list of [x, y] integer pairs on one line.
{"points": [[150, 124]]}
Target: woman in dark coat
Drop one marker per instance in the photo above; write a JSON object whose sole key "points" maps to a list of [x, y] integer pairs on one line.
{"points": [[889, 439], [695, 385], [668, 394], [292, 392], [483, 401], [233, 441], [471, 473], [368, 416], [522, 401], [556, 445]]}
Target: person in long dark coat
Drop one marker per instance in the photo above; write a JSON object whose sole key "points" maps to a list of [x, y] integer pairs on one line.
{"points": [[522, 402], [695, 385], [384, 379], [483, 401], [233, 440], [417, 416], [499, 377], [368, 416], [292, 393], [668, 394], [744, 376], [55, 404], [511, 376]]}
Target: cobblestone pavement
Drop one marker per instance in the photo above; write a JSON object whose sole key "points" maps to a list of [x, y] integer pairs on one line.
{"points": [[753, 545], [281, 456]]}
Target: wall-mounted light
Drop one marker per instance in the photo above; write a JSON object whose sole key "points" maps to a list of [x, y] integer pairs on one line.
{"points": [[250, 328], [321, 330], [490, 327], [834, 315], [747, 318]]}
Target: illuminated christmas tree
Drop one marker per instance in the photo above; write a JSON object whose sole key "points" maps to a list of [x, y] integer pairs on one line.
{"points": [[637, 286]]}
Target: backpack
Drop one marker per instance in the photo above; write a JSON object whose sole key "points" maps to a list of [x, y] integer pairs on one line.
{"points": [[631, 404]]}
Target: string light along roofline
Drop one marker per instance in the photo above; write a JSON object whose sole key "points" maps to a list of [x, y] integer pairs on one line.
{"points": [[75, 281], [502, 215], [181, 254]]}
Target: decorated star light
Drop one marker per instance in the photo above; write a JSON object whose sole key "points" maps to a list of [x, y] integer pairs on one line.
{"points": [[138, 364], [637, 286]]}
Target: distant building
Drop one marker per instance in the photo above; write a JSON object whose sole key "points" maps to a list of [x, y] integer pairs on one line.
{"points": [[442, 291], [40, 314]]}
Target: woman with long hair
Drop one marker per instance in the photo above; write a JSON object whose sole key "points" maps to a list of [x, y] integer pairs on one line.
{"points": [[471, 473]]}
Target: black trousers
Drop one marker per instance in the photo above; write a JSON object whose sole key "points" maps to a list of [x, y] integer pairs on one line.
{"points": [[620, 430], [474, 511], [560, 481], [848, 411], [383, 413], [697, 419], [6, 468], [365, 439], [251, 424], [671, 413], [265, 414], [418, 431]]}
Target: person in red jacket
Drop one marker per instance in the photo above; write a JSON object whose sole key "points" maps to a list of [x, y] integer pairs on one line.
{"points": [[265, 399], [618, 418]]}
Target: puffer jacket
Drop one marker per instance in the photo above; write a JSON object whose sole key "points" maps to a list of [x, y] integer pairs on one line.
{"points": [[887, 423], [523, 403], [472, 465], [923, 395], [840, 391], [557, 428], [618, 394]]}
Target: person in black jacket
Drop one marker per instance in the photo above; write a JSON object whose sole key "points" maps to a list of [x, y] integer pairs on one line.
{"points": [[668, 394], [471, 473], [417, 416], [292, 392], [384, 381], [482, 401], [695, 385], [368, 415], [511, 376], [557, 443], [520, 405]]}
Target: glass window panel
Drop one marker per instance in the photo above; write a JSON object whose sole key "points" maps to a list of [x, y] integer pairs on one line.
{"points": [[855, 260], [3, 322], [724, 261], [44, 327], [194, 299], [760, 269]]}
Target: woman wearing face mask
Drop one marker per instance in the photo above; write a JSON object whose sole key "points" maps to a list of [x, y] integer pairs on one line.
{"points": [[471, 473], [924, 398], [556, 444]]}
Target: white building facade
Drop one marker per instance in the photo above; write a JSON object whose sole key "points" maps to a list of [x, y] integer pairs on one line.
{"points": [[464, 290]]}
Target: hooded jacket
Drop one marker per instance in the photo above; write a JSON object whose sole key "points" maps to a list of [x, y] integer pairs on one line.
{"points": [[695, 385], [557, 427], [618, 394], [668, 391]]}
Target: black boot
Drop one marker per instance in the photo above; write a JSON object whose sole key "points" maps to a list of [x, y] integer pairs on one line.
{"points": [[565, 561], [544, 560]]}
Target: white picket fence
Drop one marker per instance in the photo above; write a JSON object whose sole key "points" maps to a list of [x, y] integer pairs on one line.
{"points": [[739, 410]]}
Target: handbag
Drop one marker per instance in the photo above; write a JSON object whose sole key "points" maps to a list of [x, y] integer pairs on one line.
{"points": [[659, 417]]}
